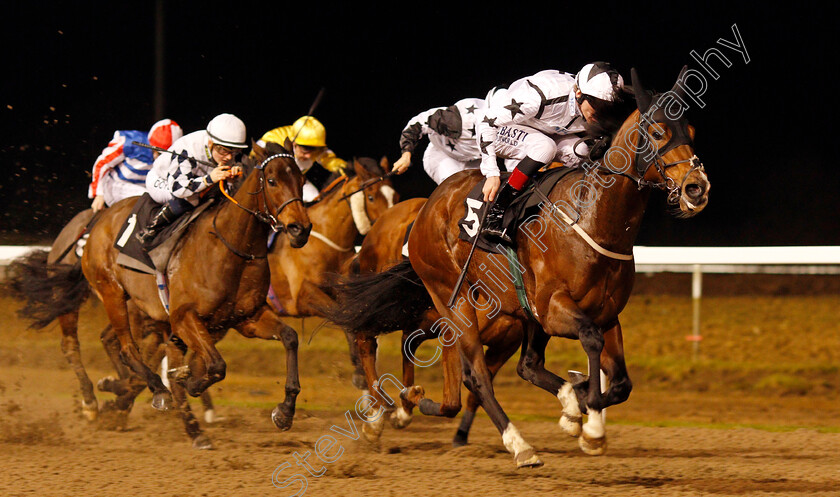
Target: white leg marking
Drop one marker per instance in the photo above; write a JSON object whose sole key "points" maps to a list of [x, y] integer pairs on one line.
{"points": [[513, 440], [164, 368], [594, 427], [570, 421]]}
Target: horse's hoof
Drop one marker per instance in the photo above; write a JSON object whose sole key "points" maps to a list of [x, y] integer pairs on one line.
{"points": [[571, 425], [527, 459], [400, 418], [413, 394], [282, 420], [373, 430], [162, 401], [90, 411], [460, 439], [594, 446], [104, 384], [201, 442], [210, 417]]}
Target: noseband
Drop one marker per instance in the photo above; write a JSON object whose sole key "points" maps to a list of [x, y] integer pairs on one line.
{"points": [[266, 216]]}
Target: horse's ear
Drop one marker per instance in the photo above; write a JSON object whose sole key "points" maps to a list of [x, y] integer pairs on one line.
{"points": [[257, 149], [642, 96], [360, 169], [678, 87], [288, 146], [385, 164]]}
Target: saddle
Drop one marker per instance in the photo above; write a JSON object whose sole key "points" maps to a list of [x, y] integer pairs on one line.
{"points": [[522, 207], [133, 255]]}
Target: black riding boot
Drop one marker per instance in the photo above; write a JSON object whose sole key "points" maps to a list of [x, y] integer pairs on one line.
{"points": [[493, 228], [161, 220]]}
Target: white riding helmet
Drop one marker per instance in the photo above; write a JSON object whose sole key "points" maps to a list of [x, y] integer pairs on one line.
{"points": [[227, 130], [599, 80], [164, 133]]}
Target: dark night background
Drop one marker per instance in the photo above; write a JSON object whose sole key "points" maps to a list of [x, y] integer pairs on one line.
{"points": [[73, 72]]}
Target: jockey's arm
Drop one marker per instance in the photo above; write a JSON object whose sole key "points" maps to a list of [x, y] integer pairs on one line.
{"points": [[111, 156]]}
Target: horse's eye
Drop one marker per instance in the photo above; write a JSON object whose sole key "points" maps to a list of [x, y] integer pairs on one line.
{"points": [[370, 198], [657, 135], [272, 181]]}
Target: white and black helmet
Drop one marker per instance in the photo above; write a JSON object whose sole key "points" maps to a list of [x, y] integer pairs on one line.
{"points": [[599, 80], [227, 130]]}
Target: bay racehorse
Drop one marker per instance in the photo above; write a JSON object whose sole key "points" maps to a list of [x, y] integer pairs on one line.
{"points": [[381, 249], [301, 278], [576, 267], [218, 277], [41, 308]]}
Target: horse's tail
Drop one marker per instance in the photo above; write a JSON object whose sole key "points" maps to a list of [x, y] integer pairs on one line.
{"points": [[48, 290], [381, 302]]}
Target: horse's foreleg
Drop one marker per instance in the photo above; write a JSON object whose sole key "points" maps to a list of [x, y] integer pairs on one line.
{"points": [[268, 326], [366, 346], [175, 359], [70, 347], [409, 343], [612, 362], [593, 439], [207, 366]]}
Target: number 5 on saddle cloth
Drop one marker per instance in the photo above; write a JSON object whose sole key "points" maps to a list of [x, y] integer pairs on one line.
{"points": [[524, 206]]}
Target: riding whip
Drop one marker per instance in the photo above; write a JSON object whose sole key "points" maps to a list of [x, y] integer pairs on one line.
{"points": [[463, 274], [182, 154], [311, 111]]}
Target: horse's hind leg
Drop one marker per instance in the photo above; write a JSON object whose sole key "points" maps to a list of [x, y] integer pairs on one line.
{"points": [[70, 347], [495, 357], [531, 367], [478, 380], [268, 326], [115, 306]]}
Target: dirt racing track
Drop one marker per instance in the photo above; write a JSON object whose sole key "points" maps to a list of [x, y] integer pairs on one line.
{"points": [[756, 414]]}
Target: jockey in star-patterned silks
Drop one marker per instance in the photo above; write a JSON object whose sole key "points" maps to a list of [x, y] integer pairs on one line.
{"points": [[452, 145], [538, 120]]}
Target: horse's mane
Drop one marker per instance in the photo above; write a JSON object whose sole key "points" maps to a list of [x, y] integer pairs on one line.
{"points": [[611, 118], [249, 163], [369, 164]]}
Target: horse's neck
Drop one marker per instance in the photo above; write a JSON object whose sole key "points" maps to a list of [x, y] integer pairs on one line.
{"points": [[240, 228], [615, 217], [333, 219]]}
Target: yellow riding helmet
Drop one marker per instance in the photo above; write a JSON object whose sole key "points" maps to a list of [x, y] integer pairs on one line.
{"points": [[309, 132]]}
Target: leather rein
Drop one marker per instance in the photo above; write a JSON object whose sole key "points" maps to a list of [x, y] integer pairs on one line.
{"points": [[264, 216]]}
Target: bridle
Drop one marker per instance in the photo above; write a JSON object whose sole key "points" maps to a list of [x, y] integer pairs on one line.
{"points": [[367, 184], [266, 215], [679, 138]]}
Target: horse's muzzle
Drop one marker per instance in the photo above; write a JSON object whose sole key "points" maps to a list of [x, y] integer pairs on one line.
{"points": [[298, 234], [695, 193]]}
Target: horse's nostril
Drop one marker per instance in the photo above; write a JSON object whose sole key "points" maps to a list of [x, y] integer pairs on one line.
{"points": [[694, 190]]}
